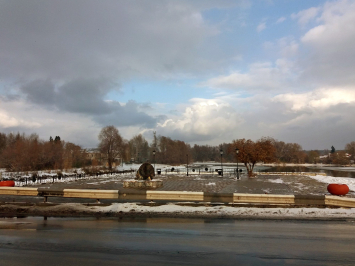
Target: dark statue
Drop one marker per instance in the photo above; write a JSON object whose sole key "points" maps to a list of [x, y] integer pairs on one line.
{"points": [[145, 172]]}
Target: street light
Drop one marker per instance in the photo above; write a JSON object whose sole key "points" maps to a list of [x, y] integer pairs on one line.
{"points": [[237, 151], [154, 159], [187, 164], [221, 152]]}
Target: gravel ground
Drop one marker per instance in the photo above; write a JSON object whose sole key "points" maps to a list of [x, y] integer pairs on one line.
{"points": [[264, 184]]}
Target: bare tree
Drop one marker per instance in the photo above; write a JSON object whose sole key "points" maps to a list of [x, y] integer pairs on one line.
{"points": [[139, 148], [111, 144], [350, 149], [339, 158], [251, 152], [312, 156]]}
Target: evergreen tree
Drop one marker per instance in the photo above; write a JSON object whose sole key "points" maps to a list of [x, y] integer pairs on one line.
{"points": [[332, 150]]}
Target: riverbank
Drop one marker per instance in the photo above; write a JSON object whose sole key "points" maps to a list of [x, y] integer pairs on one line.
{"points": [[176, 210]]}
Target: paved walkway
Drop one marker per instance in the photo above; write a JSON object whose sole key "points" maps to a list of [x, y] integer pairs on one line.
{"points": [[208, 183], [283, 185]]}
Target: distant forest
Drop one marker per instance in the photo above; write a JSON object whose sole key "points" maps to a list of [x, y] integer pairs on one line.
{"points": [[21, 152]]}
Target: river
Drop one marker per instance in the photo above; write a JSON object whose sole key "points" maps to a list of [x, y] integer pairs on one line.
{"points": [[168, 241]]}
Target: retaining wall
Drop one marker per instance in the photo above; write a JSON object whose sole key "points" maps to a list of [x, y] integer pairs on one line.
{"points": [[181, 196]]}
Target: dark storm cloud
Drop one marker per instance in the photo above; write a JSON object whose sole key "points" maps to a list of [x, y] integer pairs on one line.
{"points": [[78, 96], [70, 39], [128, 115], [10, 97], [86, 96], [40, 92]]}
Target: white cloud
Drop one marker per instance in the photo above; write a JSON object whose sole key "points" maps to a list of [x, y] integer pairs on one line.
{"points": [[288, 46], [314, 34], [280, 20], [30, 119], [261, 76], [7, 121], [203, 120], [319, 99], [330, 46], [261, 27], [15, 119], [285, 47], [305, 16]]}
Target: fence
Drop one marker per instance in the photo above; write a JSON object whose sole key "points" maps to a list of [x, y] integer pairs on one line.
{"points": [[198, 170], [291, 173], [24, 180]]}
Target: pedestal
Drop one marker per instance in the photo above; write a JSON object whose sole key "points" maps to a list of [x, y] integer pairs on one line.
{"points": [[143, 183]]}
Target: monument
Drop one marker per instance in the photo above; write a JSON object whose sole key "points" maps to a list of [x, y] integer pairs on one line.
{"points": [[144, 178], [145, 172]]}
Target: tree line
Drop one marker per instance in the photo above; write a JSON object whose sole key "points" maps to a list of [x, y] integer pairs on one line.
{"points": [[19, 152], [268, 150]]}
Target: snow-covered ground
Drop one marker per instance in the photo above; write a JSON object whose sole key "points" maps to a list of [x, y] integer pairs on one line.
{"points": [[337, 180]]}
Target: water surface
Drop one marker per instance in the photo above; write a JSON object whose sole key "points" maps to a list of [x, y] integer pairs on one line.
{"points": [[167, 241]]}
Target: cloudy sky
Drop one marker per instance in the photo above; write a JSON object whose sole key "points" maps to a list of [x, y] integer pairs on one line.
{"points": [[200, 71]]}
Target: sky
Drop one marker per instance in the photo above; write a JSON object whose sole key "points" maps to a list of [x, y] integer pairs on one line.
{"points": [[202, 71]]}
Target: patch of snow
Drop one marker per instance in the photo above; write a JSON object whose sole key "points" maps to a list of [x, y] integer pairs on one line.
{"points": [[198, 178], [211, 184], [279, 181]]}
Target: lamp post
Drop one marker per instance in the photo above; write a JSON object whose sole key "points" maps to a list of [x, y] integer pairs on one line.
{"points": [[154, 159], [187, 164], [237, 151], [221, 152]]}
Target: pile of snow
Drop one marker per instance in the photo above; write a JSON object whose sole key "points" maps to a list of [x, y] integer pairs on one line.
{"points": [[225, 211], [337, 180]]}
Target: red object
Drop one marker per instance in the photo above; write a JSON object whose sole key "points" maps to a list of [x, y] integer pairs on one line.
{"points": [[338, 189], [8, 183]]}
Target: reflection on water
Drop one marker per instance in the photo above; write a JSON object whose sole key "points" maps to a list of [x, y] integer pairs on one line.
{"points": [[166, 241], [330, 171]]}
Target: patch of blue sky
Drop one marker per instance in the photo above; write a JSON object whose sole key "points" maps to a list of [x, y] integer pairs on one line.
{"points": [[167, 92], [6, 88], [240, 35]]}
